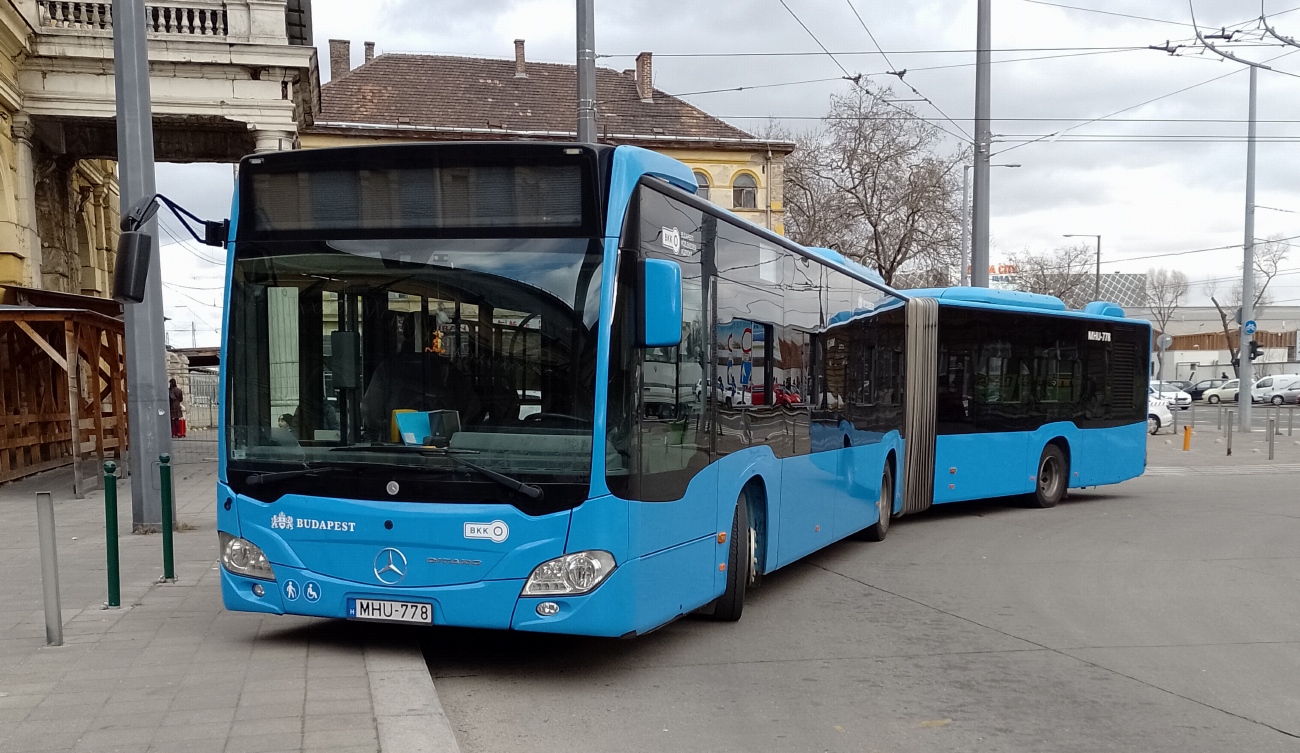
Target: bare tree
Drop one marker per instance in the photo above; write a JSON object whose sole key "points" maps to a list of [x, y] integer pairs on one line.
{"points": [[874, 186], [1165, 291], [1064, 272], [1269, 255]]}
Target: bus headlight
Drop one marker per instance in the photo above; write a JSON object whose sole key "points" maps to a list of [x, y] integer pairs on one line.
{"points": [[243, 557], [570, 575]]}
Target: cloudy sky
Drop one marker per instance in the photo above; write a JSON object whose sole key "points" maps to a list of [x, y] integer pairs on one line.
{"points": [[1164, 177]]}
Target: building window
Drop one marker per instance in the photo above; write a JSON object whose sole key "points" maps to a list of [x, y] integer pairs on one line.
{"points": [[701, 185], [744, 192]]}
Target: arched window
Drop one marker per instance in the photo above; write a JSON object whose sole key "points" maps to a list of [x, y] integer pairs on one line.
{"points": [[744, 192], [701, 185]]}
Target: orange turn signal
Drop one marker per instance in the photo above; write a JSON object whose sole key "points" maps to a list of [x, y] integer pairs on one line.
{"points": [[722, 538]]}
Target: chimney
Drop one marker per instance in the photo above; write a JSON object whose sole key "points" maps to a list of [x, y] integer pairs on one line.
{"points": [[645, 82], [340, 58], [370, 51], [519, 59]]}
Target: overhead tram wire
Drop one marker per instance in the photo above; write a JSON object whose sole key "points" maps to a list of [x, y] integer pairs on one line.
{"points": [[1144, 18], [857, 80], [854, 53], [900, 73], [1169, 254], [1140, 104]]}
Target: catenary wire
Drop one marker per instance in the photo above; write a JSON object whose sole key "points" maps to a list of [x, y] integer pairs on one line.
{"points": [[901, 73]]}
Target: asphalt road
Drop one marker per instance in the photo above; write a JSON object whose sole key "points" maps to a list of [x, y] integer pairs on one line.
{"points": [[1157, 615]]}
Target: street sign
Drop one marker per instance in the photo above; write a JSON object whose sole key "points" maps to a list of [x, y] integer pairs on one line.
{"points": [[1164, 341], [1250, 327]]}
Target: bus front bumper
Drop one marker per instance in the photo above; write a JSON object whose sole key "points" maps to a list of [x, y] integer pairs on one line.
{"points": [[491, 604]]}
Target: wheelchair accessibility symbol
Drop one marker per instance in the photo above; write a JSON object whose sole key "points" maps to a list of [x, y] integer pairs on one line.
{"points": [[311, 591]]}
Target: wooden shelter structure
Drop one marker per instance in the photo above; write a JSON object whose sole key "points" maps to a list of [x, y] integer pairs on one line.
{"points": [[62, 392]]}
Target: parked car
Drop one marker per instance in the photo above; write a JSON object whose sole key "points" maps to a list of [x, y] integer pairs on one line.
{"points": [[1171, 394], [1197, 390], [1224, 393], [1283, 392], [1265, 385], [1181, 384], [1158, 415]]}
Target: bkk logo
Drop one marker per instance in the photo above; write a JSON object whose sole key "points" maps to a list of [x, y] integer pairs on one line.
{"points": [[497, 531]]}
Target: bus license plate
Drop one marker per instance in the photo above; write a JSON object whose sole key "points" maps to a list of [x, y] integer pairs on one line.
{"points": [[379, 610]]}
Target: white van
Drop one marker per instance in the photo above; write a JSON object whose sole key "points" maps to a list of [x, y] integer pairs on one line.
{"points": [[1269, 383]]}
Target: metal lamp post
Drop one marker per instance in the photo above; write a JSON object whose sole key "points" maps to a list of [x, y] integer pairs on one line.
{"points": [[967, 265], [1096, 292]]}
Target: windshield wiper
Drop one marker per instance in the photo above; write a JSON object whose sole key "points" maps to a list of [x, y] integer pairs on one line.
{"points": [[316, 467], [513, 484]]}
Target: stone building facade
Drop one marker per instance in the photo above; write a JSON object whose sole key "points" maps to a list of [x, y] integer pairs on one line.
{"points": [[226, 79], [395, 98]]}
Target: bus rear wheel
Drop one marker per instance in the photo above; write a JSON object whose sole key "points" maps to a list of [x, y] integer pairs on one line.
{"points": [[885, 508], [731, 603], [1052, 477]]}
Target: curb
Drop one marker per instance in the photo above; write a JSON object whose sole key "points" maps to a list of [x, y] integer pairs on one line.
{"points": [[408, 714]]}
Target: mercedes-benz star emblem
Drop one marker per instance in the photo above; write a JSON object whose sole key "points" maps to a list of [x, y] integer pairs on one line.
{"points": [[390, 566], [392, 488]]}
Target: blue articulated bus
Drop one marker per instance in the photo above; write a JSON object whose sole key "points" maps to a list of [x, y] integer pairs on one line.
{"points": [[545, 387], [1027, 397]]}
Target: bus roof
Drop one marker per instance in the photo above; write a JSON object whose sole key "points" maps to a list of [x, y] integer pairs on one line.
{"points": [[1014, 299]]}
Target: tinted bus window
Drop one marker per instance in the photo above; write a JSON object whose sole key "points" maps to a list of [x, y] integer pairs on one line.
{"points": [[656, 418]]}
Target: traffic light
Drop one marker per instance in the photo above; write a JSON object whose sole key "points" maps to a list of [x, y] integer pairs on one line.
{"points": [[1255, 350]]}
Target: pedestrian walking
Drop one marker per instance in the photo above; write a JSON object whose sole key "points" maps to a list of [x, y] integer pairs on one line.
{"points": [[178, 414]]}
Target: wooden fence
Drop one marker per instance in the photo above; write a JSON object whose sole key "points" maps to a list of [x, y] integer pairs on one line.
{"points": [[62, 392]]}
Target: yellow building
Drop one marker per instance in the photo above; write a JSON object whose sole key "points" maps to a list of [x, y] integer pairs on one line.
{"points": [[58, 215], [400, 97]]}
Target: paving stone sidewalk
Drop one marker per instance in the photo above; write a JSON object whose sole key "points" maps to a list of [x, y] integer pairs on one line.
{"points": [[172, 670]]}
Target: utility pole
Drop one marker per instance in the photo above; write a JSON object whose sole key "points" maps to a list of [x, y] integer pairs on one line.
{"points": [[966, 267], [148, 404], [586, 71], [1246, 373], [983, 140], [1245, 369]]}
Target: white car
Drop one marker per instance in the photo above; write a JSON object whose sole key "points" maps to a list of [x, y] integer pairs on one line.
{"points": [[1171, 394], [1158, 415], [1224, 393]]}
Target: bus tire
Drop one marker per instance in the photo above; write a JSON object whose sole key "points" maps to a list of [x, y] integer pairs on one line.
{"points": [[1052, 477], [885, 507], [731, 603]]}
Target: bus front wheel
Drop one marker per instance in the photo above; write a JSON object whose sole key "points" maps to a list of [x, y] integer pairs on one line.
{"points": [[1052, 477], [731, 603]]}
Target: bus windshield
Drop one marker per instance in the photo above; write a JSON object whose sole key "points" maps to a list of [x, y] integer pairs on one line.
{"points": [[399, 352]]}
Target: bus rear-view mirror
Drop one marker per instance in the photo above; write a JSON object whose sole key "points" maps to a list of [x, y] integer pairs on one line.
{"points": [[131, 273], [661, 303]]}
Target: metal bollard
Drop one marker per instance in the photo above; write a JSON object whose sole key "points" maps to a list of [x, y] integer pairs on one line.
{"points": [[110, 536], [1220, 426], [1187, 438], [1272, 424], [1290, 422], [1227, 431], [49, 569], [165, 475]]}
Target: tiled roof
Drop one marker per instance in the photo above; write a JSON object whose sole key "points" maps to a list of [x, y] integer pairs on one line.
{"points": [[430, 92]]}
